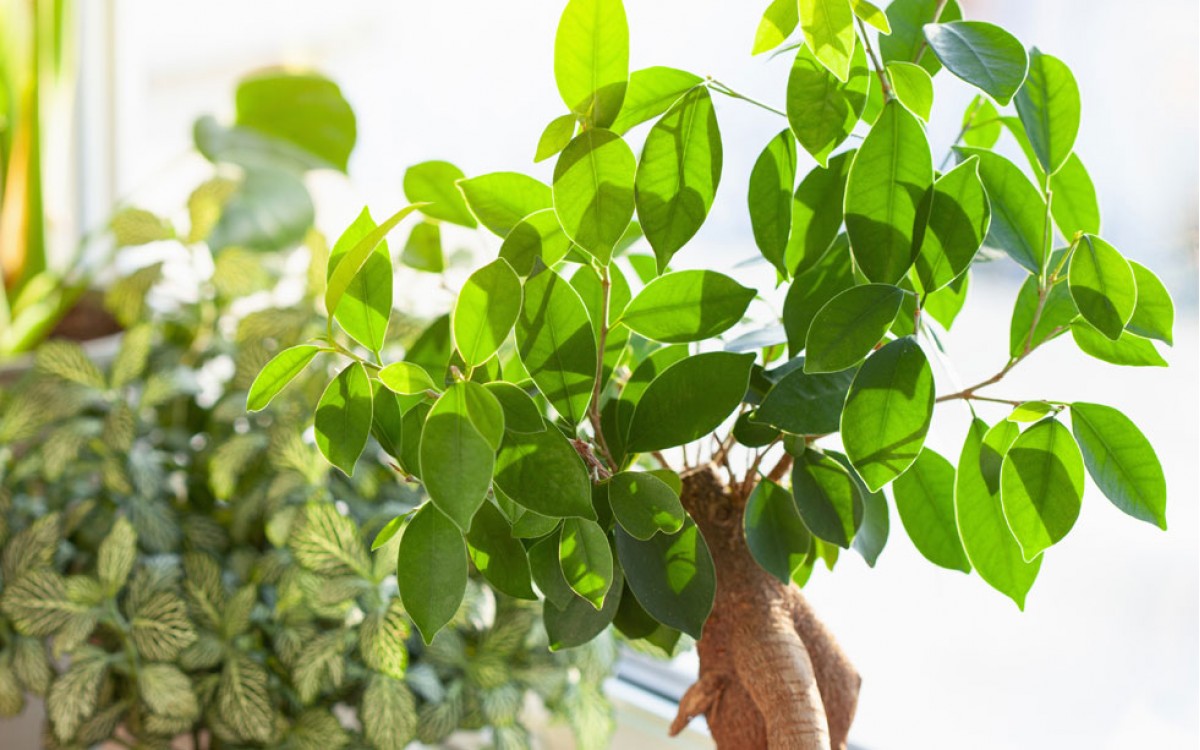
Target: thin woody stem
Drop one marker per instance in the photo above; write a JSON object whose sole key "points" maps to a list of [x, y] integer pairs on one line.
{"points": [[598, 386], [883, 81]]}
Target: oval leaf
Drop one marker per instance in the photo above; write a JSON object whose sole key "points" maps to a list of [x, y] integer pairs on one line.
{"points": [[822, 110], [1048, 105], [434, 184], [959, 218], [644, 504], [1041, 486], [586, 559], [828, 27], [1121, 461], [343, 418], [1102, 285], [406, 379], [431, 570], [498, 555], [542, 472], [276, 374], [501, 199], [687, 306], [690, 399], [456, 459], [925, 501], [593, 190], [671, 575], [827, 498], [557, 344], [770, 198], [982, 54], [849, 326], [591, 59], [776, 536], [485, 311]]}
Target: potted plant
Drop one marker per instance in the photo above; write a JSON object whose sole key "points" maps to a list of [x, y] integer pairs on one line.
{"points": [[546, 414]]}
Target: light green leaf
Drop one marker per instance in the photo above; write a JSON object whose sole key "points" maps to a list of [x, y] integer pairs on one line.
{"points": [[690, 399], [828, 28], [925, 501], [1030, 411], [270, 210], [778, 22], [770, 198], [644, 504], [304, 109], [355, 259], [423, 248], [1018, 209], [406, 379], [276, 374], [1128, 350], [168, 691], [431, 570], [981, 123], [434, 183], [555, 137], [1041, 486], [959, 218], [1103, 286], [1121, 461], [817, 214], [884, 195], [651, 92], [486, 310], [776, 536], [159, 626], [591, 59], [501, 199], [806, 404], [244, 700], [822, 110], [499, 556], [671, 576], [593, 190], [542, 472], [365, 308], [888, 412], [538, 235], [388, 713], [812, 289], [1048, 105], [116, 555], [982, 54], [849, 326], [557, 345], [1075, 207], [678, 174], [826, 497], [456, 457], [388, 532], [1154, 315], [74, 696], [586, 559], [1057, 314], [343, 417], [67, 360], [945, 304], [327, 542], [521, 413], [871, 15], [687, 306], [913, 86]]}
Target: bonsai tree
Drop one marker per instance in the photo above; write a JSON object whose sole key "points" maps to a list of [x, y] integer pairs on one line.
{"points": [[588, 430]]}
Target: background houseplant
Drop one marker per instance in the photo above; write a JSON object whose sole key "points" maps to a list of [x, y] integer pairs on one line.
{"points": [[889, 226]]}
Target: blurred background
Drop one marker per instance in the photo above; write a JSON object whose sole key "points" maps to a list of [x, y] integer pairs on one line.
{"points": [[1106, 654]]}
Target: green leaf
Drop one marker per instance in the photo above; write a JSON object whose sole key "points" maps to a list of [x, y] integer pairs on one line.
{"points": [[1018, 209], [884, 195], [557, 344], [671, 576], [434, 183], [770, 198], [586, 559], [343, 417], [981, 123], [888, 412], [387, 422], [776, 536], [982, 54], [690, 399], [687, 306], [74, 696], [1121, 461], [1103, 286], [1129, 350], [828, 28], [431, 570], [1075, 207], [812, 289], [388, 532], [959, 218], [244, 700], [116, 555], [548, 574], [1041, 486], [849, 326], [498, 555], [521, 413], [355, 259], [1154, 315], [270, 210], [986, 538], [367, 304], [159, 626], [871, 15], [822, 110], [327, 542], [817, 214], [651, 92], [678, 174], [456, 457], [907, 19], [406, 379], [872, 534], [276, 374], [593, 190], [423, 249], [1057, 314], [538, 235], [578, 622], [304, 109], [501, 199], [644, 504], [591, 59], [388, 713], [803, 403], [778, 22], [36, 602], [945, 304], [1048, 105], [826, 497], [925, 501], [167, 691], [1030, 411], [555, 137], [913, 86], [542, 472], [486, 310]]}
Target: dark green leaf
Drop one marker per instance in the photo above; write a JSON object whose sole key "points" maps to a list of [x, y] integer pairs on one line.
{"points": [[770, 198], [578, 622], [497, 554], [456, 458], [644, 504], [591, 59], [501, 199], [1018, 210], [387, 422], [817, 214], [276, 374], [1121, 461], [872, 534], [907, 18], [826, 497], [557, 344], [431, 570], [982, 54], [687, 306], [690, 399], [925, 501], [671, 575], [651, 92], [586, 559], [1103, 286], [435, 184], [304, 109], [486, 310], [959, 218], [1154, 315], [1041, 486], [548, 573], [593, 190], [555, 137], [542, 472], [806, 404], [343, 418], [1048, 105], [776, 536], [849, 326], [822, 110]]}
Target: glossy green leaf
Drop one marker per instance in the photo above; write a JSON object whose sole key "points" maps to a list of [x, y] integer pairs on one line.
{"points": [[352, 262], [828, 28], [1154, 314], [996, 443], [557, 344], [1018, 209], [1057, 313], [981, 123], [431, 570], [387, 420], [1030, 411], [578, 622], [907, 19], [548, 573], [651, 92], [276, 374], [871, 15], [687, 306], [435, 184], [777, 538], [849, 326], [986, 538], [888, 412], [806, 404], [1048, 105], [591, 59], [1103, 286], [456, 459], [586, 559], [644, 504], [388, 532], [671, 575], [817, 214], [521, 413], [913, 86], [770, 198], [406, 379], [486, 310], [812, 289], [1041, 486], [925, 501], [304, 109], [593, 190], [678, 174], [690, 399], [945, 304], [778, 22], [1129, 350], [1121, 461], [542, 472], [538, 235], [982, 54], [501, 199], [884, 195], [555, 137], [826, 497], [959, 218], [483, 410], [367, 304], [497, 555], [423, 248], [343, 417], [822, 110], [872, 534]]}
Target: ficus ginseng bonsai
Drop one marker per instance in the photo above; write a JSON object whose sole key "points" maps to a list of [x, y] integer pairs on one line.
{"points": [[536, 414]]}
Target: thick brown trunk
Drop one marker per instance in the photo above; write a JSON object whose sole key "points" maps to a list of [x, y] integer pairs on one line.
{"points": [[771, 676]]}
